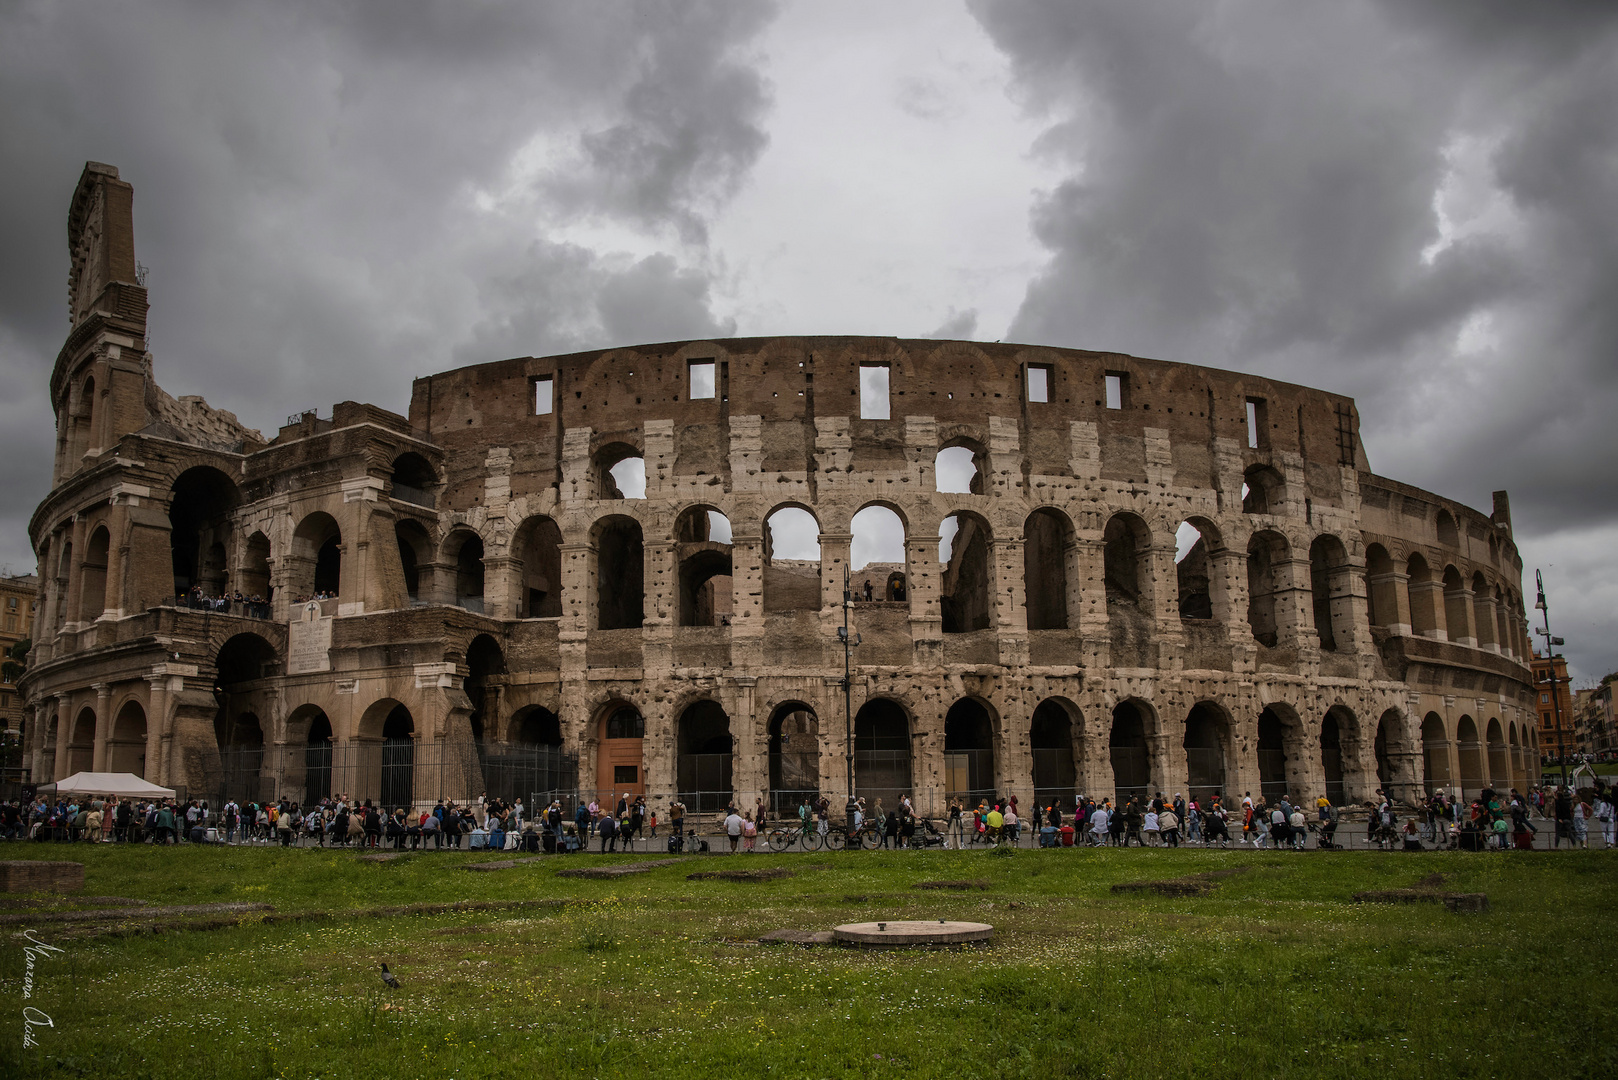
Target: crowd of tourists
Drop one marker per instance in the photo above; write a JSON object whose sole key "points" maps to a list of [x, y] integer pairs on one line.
{"points": [[236, 603], [1493, 820]]}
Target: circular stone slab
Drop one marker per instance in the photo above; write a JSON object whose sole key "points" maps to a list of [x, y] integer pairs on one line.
{"points": [[913, 934]]}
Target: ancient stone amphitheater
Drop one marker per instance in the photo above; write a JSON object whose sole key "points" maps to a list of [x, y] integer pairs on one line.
{"points": [[625, 571]]}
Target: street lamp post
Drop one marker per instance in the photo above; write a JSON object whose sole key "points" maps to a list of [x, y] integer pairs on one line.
{"points": [[849, 641], [1550, 654]]}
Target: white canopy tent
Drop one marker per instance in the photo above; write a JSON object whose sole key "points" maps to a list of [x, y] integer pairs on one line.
{"points": [[119, 785]]}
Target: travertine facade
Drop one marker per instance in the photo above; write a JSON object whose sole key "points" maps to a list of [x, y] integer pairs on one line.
{"points": [[1330, 630]]}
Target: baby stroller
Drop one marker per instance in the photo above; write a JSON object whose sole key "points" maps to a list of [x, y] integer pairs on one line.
{"points": [[1325, 834], [927, 836]]}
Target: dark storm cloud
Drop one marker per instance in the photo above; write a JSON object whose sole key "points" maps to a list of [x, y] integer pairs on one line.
{"points": [[1252, 186], [335, 197]]}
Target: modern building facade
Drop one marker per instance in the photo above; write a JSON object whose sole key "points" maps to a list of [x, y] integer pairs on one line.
{"points": [[562, 573]]}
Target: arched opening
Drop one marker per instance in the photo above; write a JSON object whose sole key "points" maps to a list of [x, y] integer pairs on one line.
{"points": [[968, 753], [414, 480], [703, 757], [1381, 587], [620, 574], [126, 749], [1331, 753], [1426, 611], [1194, 545], [1483, 613], [398, 759], [255, 573], [200, 518], [467, 548], [538, 544], [1131, 760], [84, 433], [317, 557], [620, 472], [1470, 752], [966, 588], [242, 665], [1047, 539], [877, 552], [1330, 586], [621, 732], [1435, 753], [1267, 554], [1055, 752], [93, 577], [1457, 607], [791, 560], [794, 757], [317, 757], [1272, 754], [530, 763], [1207, 750], [1263, 490], [81, 746], [485, 682], [703, 550], [1448, 535], [881, 752], [959, 469], [415, 552], [896, 586], [1499, 756]]}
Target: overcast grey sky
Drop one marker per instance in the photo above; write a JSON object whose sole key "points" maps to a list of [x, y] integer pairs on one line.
{"points": [[1412, 203]]}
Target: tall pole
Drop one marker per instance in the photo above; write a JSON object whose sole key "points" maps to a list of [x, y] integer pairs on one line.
{"points": [[848, 695], [1550, 655]]}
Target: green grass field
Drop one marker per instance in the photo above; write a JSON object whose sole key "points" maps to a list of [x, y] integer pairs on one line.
{"points": [[1274, 974]]}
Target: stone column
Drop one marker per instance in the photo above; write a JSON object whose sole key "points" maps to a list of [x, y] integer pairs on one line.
{"points": [[922, 573], [1428, 597], [836, 549], [75, 582], [157, 714], [103, 727], [64, 736], [1459, 618], [750, 768], [500, 600], [112, 604], [1294, 604]]}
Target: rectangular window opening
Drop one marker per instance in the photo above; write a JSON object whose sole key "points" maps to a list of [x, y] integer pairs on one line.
{"points": [[874, 403], [1115, 389], [625, 774], [544, 398], [702, 384], [1258, 423], [1039, 383]]}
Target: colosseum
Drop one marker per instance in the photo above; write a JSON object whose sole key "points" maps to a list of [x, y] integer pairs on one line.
{"points": [[629, 570]]}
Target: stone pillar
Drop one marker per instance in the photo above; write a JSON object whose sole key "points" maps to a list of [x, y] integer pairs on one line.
{"points": [[500, 573], [1485, 617], [112, 605], [1458, 617], [1010, 613], [1427, 598], [922, 573], [750, 767], [103, 726], [64, 736], [75, 582], [836, 549], [1392, 592], [1294, 604], [157, 715]]}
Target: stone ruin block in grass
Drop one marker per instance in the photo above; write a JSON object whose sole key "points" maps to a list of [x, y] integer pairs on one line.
{"points": [[30, 875]]}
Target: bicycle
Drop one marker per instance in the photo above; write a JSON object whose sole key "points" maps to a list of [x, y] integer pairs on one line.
{"points": [[784, 836]]}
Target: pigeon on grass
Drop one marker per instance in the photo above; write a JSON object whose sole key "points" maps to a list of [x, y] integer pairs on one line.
{"points": [[387, 977]]}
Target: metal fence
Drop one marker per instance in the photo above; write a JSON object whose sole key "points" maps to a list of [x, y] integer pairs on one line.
{"points": [[391, 772]]}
